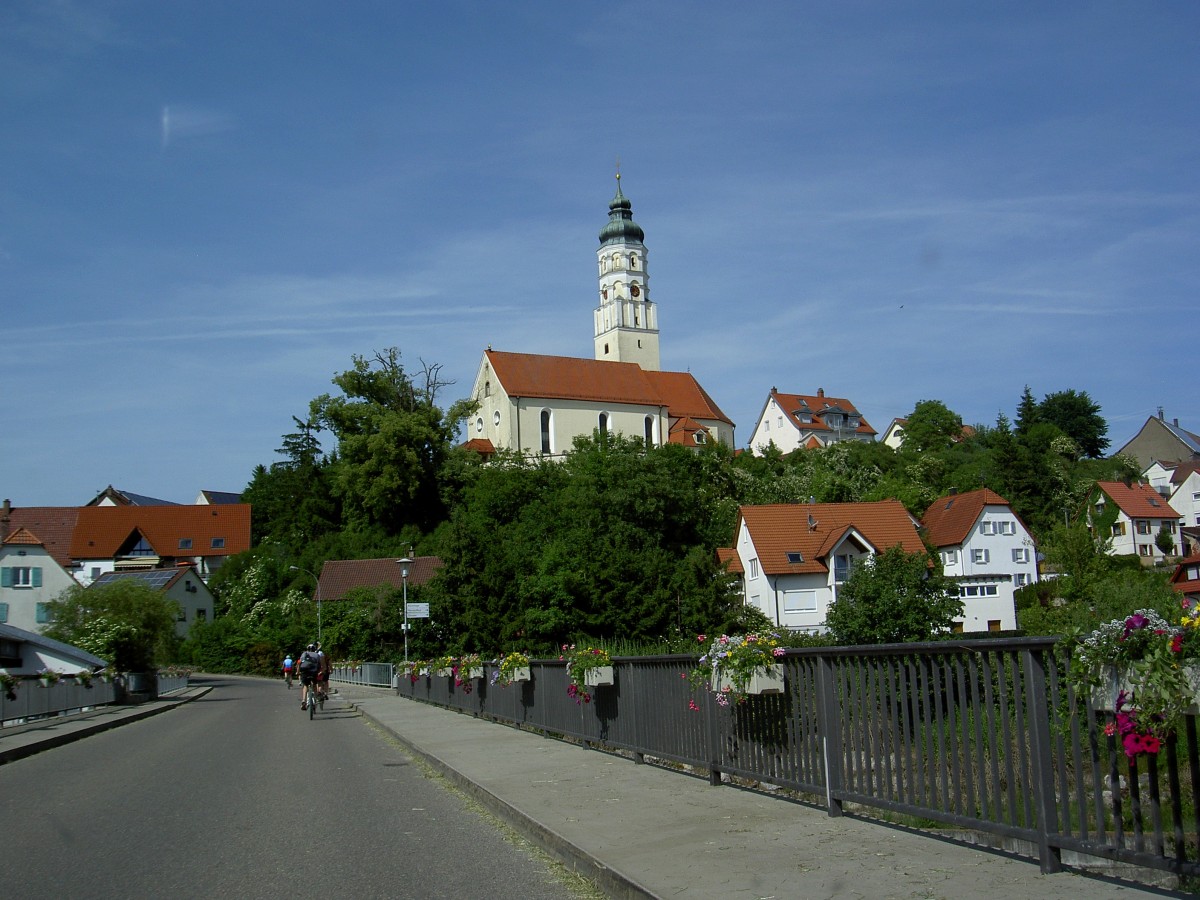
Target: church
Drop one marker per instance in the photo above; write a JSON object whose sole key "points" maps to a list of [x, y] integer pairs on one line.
{"points": [[539, 404]]}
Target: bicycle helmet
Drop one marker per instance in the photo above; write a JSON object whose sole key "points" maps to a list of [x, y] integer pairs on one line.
{"points": [[311, 647]]}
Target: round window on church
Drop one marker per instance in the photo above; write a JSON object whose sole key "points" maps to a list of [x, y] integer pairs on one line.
{"points": [[496, 417], [479, 425]]}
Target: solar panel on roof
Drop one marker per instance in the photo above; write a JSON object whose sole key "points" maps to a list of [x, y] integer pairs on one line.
{"points": [[155, 578]]}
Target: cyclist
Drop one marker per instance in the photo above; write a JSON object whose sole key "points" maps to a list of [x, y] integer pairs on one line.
{"points": [[323, 674], [310, 668], [287, 670]]}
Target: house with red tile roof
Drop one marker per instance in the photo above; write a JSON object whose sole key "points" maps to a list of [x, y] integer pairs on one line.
{"points": [[537, 405], [986, 551], [30, 578], [124, 538], [1186, 578], [893, 435], [808, 421], [1131, 517], [794, 557]]}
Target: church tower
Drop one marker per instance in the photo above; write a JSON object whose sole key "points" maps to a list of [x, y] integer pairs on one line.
{"points": [[626, 320]]}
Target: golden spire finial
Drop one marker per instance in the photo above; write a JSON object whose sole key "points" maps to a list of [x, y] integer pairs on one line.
{"points": [[618, 170]]}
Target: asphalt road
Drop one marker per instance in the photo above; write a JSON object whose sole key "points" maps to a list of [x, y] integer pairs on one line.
{"points": [[238, 794]]}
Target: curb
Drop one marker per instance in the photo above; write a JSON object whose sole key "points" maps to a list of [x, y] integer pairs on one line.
{"points": [[79, 731], [611, 881]]}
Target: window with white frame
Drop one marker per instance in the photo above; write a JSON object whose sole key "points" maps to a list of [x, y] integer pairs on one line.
{"points": [[1146, 549], [1143, 526], [985, 527], [978, 590], [1020, 579], [1006, 527], [1118, 529], [1020, 554], [754, 567], [950, 557], [843, 565], [21, 576], [980, 556], [799, 601]]}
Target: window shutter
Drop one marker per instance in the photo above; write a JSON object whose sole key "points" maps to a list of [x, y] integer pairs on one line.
{"points": [[3, 613], [5, 576], [37, 576]]}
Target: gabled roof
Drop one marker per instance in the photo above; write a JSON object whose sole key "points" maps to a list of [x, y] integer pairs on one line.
{"points": [[339, 576], [159, 579], [22, 536], [214, 497], [814, 530], [1184, 470], [482, 446], [52, 525], [1137, 500], [126, 498], [101, 531], [949, 520], [728, 558], [818, 406], [600, 381]]}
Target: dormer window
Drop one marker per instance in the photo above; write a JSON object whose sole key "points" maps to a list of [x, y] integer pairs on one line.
{"points": [[795, 556], [701, 437]]}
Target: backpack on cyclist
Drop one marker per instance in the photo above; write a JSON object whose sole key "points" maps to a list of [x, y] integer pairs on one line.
{"points": [[309, 663]]}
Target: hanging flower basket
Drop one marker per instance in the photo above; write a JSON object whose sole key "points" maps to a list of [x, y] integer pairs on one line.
{"points": [[511, 668]]}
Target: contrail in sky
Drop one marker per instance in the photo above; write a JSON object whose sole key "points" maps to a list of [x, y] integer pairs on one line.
{"points": [[166, 126]]}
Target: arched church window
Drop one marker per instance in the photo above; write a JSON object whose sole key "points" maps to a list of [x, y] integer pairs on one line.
{"points": [[487, 389], [602, 424], [546, 431], [633, 261], [649, 432]]}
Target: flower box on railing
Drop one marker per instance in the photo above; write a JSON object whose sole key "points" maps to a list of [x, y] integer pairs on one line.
{"points": [[764, 680], [472, 672], [445, 672], [522, 673], [1112, 682], [598, 676]]}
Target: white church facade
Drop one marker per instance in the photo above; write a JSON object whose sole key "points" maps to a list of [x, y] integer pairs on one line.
{"points": [[539, 404]]}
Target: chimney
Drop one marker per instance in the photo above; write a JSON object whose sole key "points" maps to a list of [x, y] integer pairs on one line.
{"points": [[1160, 413], [820, 392], [1175, 422], [5, 516]]}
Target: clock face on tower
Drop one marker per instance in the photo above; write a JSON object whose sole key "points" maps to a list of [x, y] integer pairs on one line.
{"points": [[635, 290]]}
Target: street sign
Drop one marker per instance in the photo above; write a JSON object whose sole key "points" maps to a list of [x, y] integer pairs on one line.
{"points": [[418, 610]]}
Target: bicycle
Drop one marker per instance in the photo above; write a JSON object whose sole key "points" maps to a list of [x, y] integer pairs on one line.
{"points": [[314, 700]]}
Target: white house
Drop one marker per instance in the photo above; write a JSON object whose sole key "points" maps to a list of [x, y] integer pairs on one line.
{"points": [[1131, 516], [792, 558], [1179, 484], [30, 577], [538, 404], [987, 551], [792, 421]]}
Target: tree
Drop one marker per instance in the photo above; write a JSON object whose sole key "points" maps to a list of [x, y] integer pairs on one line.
{"points": [[126, 622], [931, 426], [392, 441], [1078, 417], [891, 598]]}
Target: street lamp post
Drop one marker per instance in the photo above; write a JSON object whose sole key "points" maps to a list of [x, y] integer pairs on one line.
{"points": [[318, 583], [404, 564]]}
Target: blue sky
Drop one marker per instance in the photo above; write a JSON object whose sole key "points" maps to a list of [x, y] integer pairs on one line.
{"points": [[207, 208]]}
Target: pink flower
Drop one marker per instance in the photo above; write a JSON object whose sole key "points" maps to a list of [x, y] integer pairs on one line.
{"points": [[701, 638], [779, 651], [692, 706]]}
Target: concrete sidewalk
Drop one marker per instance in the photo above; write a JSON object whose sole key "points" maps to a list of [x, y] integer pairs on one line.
{"points": [[19, 741], [642, 831]]}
